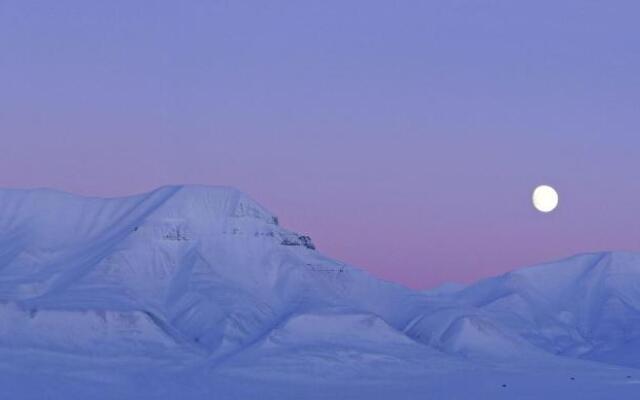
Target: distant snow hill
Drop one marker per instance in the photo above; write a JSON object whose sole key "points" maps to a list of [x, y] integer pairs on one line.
{"points": [[198, 292]]}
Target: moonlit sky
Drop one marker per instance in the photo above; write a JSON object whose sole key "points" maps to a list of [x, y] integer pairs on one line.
{"points": [[404, 137]]}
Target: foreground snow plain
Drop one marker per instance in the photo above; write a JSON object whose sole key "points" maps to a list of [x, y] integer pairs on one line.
{"points": [[197, 292]]}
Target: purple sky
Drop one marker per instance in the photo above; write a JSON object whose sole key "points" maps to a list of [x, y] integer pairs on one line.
{"points": [[404, 137]]}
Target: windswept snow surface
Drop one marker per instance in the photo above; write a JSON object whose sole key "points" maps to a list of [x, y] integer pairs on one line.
{"points": [[197, 292]]}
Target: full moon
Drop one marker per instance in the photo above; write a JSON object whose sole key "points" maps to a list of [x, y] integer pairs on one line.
{"points": [[545, 198]]}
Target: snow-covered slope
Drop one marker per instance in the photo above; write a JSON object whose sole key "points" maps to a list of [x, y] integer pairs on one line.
{"points": [[585, 306], [200, 285], [204, 269]]}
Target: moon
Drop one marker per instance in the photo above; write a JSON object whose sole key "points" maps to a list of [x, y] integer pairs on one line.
{"points": [[545, 198]]}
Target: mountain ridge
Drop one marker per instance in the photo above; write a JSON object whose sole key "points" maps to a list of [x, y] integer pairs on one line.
{"points": [[208, 276]]}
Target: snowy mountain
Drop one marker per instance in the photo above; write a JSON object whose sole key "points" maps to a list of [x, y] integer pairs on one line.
{"points": [[195, 268], [586, 306], [200, 290]]}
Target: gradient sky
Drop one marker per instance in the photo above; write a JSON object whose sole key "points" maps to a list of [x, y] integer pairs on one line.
{"points": [[404, 137]]}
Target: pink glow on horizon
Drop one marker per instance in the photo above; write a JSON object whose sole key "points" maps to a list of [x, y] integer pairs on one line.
{"points": [[404, 139]]}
